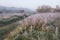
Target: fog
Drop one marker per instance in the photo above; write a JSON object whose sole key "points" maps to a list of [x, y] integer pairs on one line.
{"points": [[31, 4]]}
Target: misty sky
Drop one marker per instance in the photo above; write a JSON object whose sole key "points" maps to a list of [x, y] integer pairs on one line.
{"points": [[32, 4]]}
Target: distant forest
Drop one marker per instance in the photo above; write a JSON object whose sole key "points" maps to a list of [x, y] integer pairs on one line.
{"points": [[47, 8], [39, 9]]}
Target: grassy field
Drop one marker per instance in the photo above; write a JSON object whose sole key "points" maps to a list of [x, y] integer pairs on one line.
{"points": [[35, 27], [8, 24], [6, 29]]}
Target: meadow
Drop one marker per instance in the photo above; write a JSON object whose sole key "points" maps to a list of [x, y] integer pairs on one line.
{"points": [[40, 26]]}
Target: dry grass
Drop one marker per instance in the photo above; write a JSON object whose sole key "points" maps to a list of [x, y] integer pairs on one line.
{"points": [[44, 23]]}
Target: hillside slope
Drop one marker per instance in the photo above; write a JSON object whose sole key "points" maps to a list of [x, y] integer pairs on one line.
{"points": [[37, 21]]}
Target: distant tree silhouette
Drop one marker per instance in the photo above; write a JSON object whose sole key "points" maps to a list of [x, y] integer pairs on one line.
{"points": [[57, 8], [43, 9]]}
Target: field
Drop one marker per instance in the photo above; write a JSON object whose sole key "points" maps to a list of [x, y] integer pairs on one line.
{"points": [[40, 26], [8, 15]]}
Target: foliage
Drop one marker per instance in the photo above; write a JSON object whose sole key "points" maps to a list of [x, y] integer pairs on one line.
{"points": [[10, 20], [47, 33], [33, 28], [6, 29]]}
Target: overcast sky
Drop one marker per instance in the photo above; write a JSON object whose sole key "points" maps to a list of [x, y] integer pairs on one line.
{"points": [[32, 4]]}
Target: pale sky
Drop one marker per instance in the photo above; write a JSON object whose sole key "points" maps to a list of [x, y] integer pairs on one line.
{"points": [[31, 4]]}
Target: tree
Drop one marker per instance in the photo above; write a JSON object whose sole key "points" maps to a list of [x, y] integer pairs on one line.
{"points": [[43, 8], [57, 8]]}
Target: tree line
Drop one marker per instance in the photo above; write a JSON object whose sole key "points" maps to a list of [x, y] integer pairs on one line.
{"points": [[46, 8]]}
